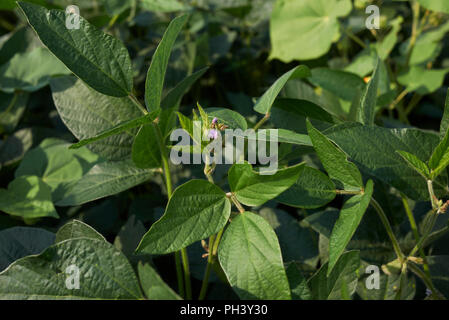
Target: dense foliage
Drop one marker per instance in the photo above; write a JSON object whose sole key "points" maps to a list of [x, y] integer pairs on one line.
{"points": [[92, 205]]}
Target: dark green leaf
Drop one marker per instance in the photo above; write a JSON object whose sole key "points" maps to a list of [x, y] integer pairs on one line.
{"points": [[334, 160], [350, 217], [313, 189], [97, 58]]}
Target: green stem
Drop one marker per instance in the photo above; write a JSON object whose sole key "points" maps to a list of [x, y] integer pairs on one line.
{"points": [[179, 274], [210, 261], [427, 231], [262, 121], [346, 192], [138, 104], [415, 30], [415, 231], [386, 223], [236, 202], [168, 182], [355, 38], [185, 264]]}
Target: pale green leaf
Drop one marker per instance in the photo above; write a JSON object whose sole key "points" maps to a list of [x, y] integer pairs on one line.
{"points": [[422, 80], [196, 210], [254, 189], [435, 5], [250, 256], [367, 110], [27, 197], [30, 71], [415, 163], [57, 165], [304, 30], [265, 102]]}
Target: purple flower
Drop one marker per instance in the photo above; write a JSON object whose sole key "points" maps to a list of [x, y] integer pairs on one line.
{"points": [[213, 134], [214, 121]]}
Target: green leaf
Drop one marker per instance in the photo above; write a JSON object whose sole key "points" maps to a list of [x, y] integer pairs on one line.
{"points": [[18, 242], [297, 243], [367, 110], [291, 114], [156, 73], [27, 197], [438, 266], [104, 273], [444, 126], [12, 107], [116, 7], [435, 5], [351, 215], [30, 71], [232, 119], [265, 102], [129, 237], [344, 85], [422, 80], [254, 189], [298, 284], [304, 30], [97, 58], [313, 189], [146, 153], [428, 45], [415, 163], [250, 256], [56, 165], [342, 281], [77, 229], [439, 159], [163, 5], [335, 161], [174, 96], [386, 45], [196, 210], [103, 180], [88, 113], [152, 284], [373, 149], [124, 126]]}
